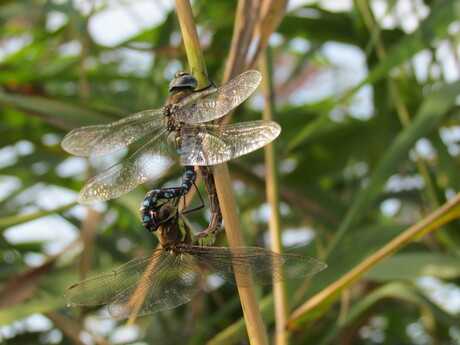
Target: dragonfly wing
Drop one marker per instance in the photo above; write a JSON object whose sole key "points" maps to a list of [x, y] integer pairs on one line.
{"points": [[149, 162], [254, 266], [100, 140], [168, 283], [213, 144], [104, 287], [211, 104]]}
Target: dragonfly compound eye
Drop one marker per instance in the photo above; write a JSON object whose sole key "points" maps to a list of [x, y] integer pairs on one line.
{"points": [[183, 80]]}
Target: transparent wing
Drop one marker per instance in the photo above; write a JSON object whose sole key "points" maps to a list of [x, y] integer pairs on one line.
{"points": [[149, 162], [148, 284], [213, 103], [212, 144], [173, 281], [256, 266], [103, 288], [100, 140]]}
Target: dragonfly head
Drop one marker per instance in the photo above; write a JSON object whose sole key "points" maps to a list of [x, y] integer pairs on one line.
{"points": [[164, 213], [182, 80], [173, 229]]}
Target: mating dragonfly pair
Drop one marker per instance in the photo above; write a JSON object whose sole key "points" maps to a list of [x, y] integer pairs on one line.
{"points": [[170, 276]]}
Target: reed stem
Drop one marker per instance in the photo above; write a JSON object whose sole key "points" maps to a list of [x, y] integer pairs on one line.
{"points": [[273, 198], [253, 319], [433, 221]]}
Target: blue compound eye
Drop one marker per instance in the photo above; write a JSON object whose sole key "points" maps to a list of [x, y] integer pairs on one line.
{"points": [[183, 80]]}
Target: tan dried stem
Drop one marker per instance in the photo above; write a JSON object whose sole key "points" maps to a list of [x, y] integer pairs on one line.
{"points": [[443, 215], [249, 304], [273, 198]]}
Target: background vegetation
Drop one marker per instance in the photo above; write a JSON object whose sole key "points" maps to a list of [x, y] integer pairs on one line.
{"points": [[367, 96]]}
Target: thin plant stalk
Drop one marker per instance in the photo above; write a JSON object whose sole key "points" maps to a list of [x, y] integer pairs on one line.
{"points": [[273, 199], [88, 230], [400, 107], [247, 20], [443, 215], [253, 319], [88, 233], [9, 221], [252, 316], [191, 42], [271, 15]]}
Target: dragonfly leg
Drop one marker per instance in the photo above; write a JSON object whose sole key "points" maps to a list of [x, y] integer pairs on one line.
{"points": [[183, 211]]}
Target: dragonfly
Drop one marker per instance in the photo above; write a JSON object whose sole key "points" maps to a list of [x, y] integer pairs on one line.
{"points": [[172, 275], [178, 131], [157, 197]]}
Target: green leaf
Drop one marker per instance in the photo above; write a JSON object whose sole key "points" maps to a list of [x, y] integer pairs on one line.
{"points": [[429, 115], [434, 27], [410, 266], [61, 113]]}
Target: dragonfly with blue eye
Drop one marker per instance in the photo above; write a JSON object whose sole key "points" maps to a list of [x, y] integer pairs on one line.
{"points": [[172, 275], [157, 197], [176, 130], [154, 200]]}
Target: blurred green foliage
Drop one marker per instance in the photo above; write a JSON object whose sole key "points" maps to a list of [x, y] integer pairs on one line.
{"points": [[370, 145]]}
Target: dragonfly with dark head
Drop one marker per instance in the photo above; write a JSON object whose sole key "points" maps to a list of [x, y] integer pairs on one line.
{"points": [[177, 128], [155, 198], [172, 275]]}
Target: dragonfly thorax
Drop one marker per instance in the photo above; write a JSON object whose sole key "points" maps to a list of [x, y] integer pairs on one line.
{"points": [[173, 123], [177, 95]]}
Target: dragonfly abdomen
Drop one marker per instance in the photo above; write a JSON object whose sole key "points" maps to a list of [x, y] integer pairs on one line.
{"points": [[208, 236]]}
